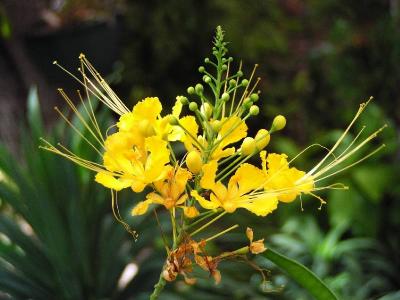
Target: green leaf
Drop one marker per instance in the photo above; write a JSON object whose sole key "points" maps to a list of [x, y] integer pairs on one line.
{"points": [[373, 180], [302, 275], [34, 114]]}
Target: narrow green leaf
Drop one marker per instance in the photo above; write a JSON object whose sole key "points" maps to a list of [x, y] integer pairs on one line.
{"points": [[34, 114], [302, 275]]}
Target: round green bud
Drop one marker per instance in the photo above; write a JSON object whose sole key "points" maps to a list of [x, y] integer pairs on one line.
{"points": [[254, 97], [254, 110], [245, 82], [193, 106], [206, 60], [232, 82], [216, 125], [215, 53], [206, 79], [248, 146], [173, 120], [199, 88], [190, 90], [247, 103], [184, 100], [201, 69], [239, 73], [230, 59], [224, 60], [225, 97], [279, 122], [224, 67], [213, 48]]}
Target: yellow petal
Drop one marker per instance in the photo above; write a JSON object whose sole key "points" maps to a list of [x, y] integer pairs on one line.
{"points": [[261, 206], [155, 198], [288, 182], [177, 108], [157, 159], [126, 122], [141, 208], [257, 247], [237, 134], [248, 177], [138, 185], [203, 202], [222, 153], [249, 234], [209, 172], [111, 182], [190, 125], [190, 212], [149, 108]]}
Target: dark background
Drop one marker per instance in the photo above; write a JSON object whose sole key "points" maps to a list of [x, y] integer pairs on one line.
{"points": [[318, 60]]}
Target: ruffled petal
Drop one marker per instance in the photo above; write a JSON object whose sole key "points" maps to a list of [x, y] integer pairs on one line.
{"points": [[111, 182], [207, 204], [209, 172], [141, 208]]}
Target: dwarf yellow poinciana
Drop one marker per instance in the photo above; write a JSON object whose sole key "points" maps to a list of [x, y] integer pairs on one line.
{"points": [[213, 176]]}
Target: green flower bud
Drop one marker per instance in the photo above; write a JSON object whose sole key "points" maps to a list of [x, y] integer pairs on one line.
{"points": [[199, 88], [230, 59], [193, 106], [245, 82], [206, 79], [206, 110], [190, 90], [206, 60], [225, 97], [232, 82], [173, 120], [224, 67], [248, 146], [216, 125], [183, 99], [279, 122], [254, 110], [201, 69], [247, 103], [254, 97], [239, 73], [215, 53]]}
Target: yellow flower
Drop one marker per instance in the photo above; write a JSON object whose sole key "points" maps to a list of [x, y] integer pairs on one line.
{"points": [[135, 156], [128, 165], [170, 193], [236, 195], [286, 183]]}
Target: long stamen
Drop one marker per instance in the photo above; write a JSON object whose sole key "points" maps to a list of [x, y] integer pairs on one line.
{"points": [[80, 117], [339, 141], [76, 130]]}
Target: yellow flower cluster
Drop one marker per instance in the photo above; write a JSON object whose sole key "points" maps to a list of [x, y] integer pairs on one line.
{"points": [[213, 174]]}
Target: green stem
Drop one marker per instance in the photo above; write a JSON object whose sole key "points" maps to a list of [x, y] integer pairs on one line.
{"points": [[158, 287], [208, 224]]}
